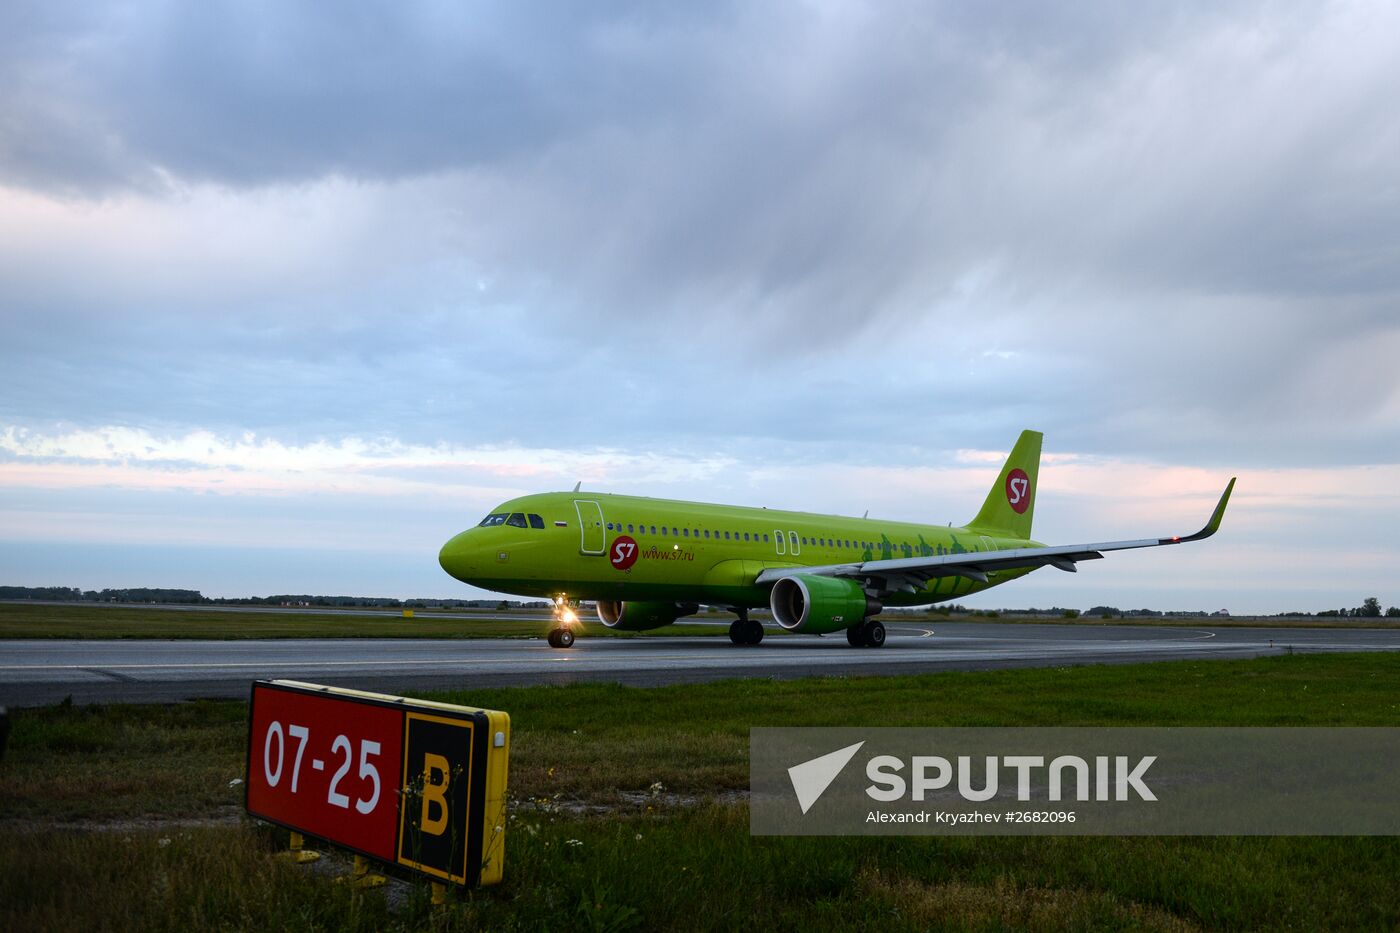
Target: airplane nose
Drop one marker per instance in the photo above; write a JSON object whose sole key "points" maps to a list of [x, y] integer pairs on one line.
{"points": [[456, 557]]}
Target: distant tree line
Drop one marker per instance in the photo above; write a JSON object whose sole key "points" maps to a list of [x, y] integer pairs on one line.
{"points": [[1114, 612], [73, 594], [1370, 608], [194, 597]]}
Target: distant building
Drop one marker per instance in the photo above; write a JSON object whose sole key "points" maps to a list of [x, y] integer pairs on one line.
{"points": [[1221, 612]]}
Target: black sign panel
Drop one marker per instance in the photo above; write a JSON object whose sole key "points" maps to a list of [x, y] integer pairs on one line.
{"points": [[437, 834]]}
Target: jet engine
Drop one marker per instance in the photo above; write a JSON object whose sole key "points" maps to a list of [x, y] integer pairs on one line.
{"points": [[816, 605], [632, 616]]}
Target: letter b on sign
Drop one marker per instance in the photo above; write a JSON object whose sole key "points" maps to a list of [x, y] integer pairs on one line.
{"points": [[437, 779]]}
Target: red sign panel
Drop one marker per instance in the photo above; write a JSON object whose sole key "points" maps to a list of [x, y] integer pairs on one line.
{"points": [[328, 766]]}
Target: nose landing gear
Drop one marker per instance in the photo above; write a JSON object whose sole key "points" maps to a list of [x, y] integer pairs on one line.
{"points": [[561, 634]]}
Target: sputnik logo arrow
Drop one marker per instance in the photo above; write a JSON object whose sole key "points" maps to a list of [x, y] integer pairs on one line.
{"points": [[811, 778]]}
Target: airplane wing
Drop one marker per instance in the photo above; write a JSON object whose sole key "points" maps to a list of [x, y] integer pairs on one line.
{"points": [[910, 574]]}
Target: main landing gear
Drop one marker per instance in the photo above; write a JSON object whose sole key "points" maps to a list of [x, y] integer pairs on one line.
{"points": [[745, 631], [561, 634], [868, 634]]}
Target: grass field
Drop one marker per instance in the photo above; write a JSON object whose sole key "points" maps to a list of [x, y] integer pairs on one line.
{"points": [[43, 620], [125, 818], [18, 620]]}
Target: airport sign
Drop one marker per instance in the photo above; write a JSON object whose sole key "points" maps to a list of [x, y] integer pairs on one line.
{"points": [[410, 783]]}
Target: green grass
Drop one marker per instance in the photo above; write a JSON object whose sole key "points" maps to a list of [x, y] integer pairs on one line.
{"points": [[20, 620], [134, 770], [699, 869], [77, 621], [593, 741]]}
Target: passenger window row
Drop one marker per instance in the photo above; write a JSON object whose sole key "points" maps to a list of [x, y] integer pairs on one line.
{"points": [[674, 531], [794, 541], [705, 534]]}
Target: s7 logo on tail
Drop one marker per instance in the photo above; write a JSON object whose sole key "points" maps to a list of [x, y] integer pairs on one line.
{"points": [[1018, 490]]}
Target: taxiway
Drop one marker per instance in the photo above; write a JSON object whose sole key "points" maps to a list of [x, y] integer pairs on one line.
{"points": [[38, 672]]}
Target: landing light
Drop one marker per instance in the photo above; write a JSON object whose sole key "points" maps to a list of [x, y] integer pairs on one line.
{"points": [[563, 612]]}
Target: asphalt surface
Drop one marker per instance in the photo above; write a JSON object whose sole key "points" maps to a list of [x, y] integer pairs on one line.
{"points": [[39, 672]]}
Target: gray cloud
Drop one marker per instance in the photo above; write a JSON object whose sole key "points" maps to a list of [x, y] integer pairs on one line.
{"points": [[253, 94], [822, 231]]}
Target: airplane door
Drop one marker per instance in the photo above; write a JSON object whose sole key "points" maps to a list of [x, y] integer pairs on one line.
{"points": [[988, 544], [592, 538]]}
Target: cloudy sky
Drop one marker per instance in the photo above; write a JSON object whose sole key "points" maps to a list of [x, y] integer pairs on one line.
{"points": [[288, 299]]}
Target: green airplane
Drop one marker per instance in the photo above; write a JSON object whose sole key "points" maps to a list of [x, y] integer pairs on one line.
{"points": [[648, 562]]}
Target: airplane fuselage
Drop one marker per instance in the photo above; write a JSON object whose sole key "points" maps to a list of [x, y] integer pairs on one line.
{"points": [[600, 546], [648, 562]]}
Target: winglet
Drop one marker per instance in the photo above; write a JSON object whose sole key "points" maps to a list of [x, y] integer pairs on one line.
{"points": [[1213, 525]]}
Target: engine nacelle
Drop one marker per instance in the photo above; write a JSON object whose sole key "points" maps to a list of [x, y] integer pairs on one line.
{"points": [[817, 605], [632, 616]]}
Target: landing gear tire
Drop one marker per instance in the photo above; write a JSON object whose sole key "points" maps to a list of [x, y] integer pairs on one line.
{"points": [[868, 634], [745, 632], [561, 638], [874, 634]]}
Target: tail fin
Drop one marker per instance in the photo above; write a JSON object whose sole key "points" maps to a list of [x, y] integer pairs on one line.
{"points": [[1011, 503]]}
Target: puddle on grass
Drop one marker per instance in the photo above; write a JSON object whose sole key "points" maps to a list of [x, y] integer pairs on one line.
{"points": [[626, 802], [222, 816]]}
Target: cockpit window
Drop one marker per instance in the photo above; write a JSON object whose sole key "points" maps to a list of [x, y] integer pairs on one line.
{"points": [[491, 521], [517, 519], [536, 521]]}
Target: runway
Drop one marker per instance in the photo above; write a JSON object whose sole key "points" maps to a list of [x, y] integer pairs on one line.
{"points": [[35, 673]]}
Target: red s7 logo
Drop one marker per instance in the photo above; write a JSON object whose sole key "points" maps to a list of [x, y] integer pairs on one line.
{"points": [[1018, 491], [624, 552]]}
